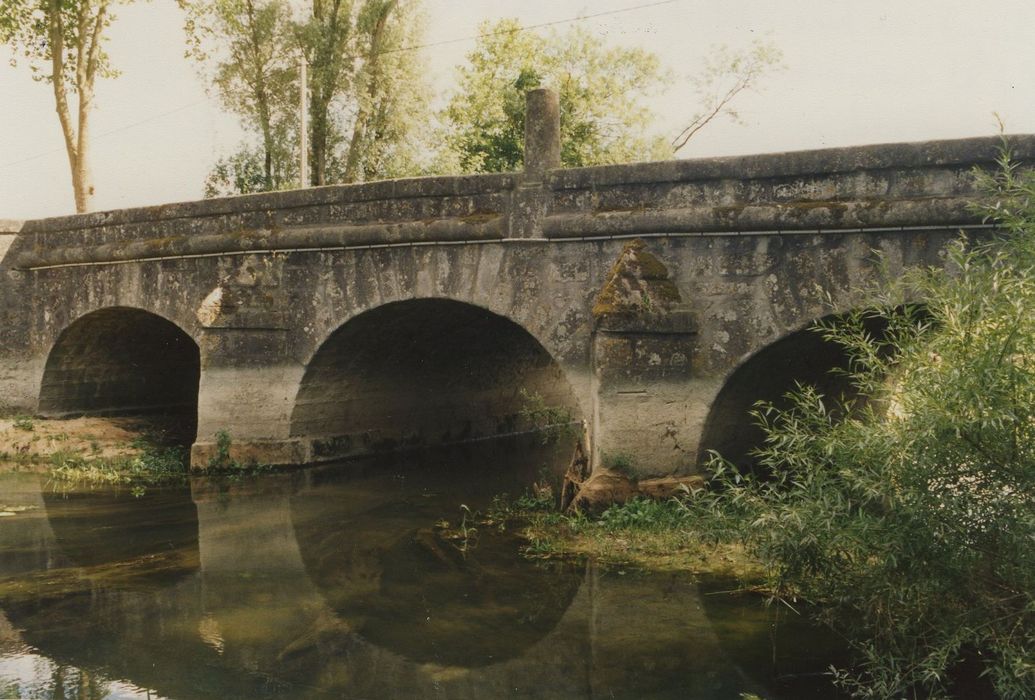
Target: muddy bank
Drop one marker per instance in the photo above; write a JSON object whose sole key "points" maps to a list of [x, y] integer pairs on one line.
{"points": [[26, 441], [129, 451]]}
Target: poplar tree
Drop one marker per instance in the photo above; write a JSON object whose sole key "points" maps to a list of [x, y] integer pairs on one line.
{"points": [[366, 94], [62, 43]]}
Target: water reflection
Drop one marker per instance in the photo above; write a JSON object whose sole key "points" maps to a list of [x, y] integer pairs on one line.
{"points": [[396, 575], [24, 674], [340, 582]]}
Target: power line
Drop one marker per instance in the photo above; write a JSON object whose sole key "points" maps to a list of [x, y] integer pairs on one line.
{"points": [[580, 18], [103, 134], [401, 49]]}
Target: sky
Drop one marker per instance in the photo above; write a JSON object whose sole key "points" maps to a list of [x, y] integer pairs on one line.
{"points": [[855, 73]]}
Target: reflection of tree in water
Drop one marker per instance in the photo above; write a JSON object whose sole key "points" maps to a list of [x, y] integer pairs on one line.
{"points": [[53, 681], [76, 684]]}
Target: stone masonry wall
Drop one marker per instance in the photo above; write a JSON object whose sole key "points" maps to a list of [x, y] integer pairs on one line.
{"points": [[753, 246]]}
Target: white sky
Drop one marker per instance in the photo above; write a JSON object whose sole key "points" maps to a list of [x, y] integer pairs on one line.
{"points": [[856, 72]]}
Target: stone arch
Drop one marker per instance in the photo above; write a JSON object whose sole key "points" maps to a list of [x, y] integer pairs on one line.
{"points": [[425, 372], [802, 356], [123, 361]]}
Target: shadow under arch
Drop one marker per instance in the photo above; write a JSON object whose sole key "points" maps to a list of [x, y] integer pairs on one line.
{"points": [[123, 361], [801, 357], [425, 372]]}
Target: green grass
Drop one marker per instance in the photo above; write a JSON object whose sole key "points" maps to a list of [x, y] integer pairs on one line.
{"points": [[651, 535], [154, 465], [24, 423]]}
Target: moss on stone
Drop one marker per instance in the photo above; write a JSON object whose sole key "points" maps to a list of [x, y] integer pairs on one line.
{"points": [[638, 283], [480, 218]]}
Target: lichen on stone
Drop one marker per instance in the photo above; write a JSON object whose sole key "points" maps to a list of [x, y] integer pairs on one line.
{"points": [[637, 284]]}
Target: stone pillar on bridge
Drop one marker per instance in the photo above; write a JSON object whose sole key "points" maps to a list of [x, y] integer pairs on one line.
{"points": [[531, 198], [542, 133]]}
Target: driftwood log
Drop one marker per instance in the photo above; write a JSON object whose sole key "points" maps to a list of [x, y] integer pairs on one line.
{"points": [[592, 491]]}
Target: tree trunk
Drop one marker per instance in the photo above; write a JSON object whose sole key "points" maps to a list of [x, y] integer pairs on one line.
{"points": [[87, 56], [373, 86], [82, 177], [318, 140]]}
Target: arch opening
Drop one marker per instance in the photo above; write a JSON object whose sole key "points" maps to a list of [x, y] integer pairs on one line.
{"points": [[803, 357], [427, 372], [122, 361]]}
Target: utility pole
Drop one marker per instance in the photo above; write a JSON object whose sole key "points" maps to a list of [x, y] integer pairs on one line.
{"points": [[303, 121]]}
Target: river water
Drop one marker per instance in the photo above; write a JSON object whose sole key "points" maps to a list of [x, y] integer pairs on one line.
{"points": [[343, 581]]}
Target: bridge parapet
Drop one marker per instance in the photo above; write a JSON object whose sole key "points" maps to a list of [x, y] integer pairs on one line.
{"points": [[413, 211], [887, 186], [829, 190]]}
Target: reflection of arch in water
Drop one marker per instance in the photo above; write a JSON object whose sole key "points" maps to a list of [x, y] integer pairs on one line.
{"points": [[801, 357], [123, 361], [420, 373], [372, 550], [604, 643], [254, 607]]}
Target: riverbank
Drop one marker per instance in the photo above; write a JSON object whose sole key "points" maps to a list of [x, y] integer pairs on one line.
{"points": [[649, 535], [92, 449]]}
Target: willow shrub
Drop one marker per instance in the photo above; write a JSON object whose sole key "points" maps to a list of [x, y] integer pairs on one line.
{"points": [[912, 521]]}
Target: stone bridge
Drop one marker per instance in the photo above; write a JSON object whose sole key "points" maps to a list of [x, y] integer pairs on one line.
{"points": [[655, 301]]}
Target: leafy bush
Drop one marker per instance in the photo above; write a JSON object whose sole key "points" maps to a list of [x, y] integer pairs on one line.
{"points": [[24, 423], [552, 422], [222, 459], [913, 519], [646, 514]]}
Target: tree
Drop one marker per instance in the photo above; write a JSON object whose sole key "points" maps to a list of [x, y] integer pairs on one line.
{"points": [[726, 75], [601, 93], [366, 92], [62, 41], [243, 41], [912, 520], [391, 99]]}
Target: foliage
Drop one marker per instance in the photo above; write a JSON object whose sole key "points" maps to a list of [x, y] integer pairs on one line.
{"points": [[646, 514], [668, 535], [912, 520], [24, 423], [63, 44], [619, 462], [552, 422], [155, 464], [221, 459], [366, 95], [242, 44], [601, 94], [244, 172]]}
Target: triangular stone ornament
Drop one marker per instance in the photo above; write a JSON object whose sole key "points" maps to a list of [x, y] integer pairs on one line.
{"points": [[638, 286]]}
